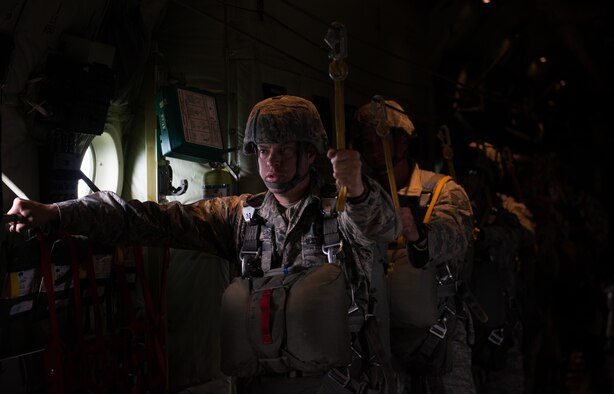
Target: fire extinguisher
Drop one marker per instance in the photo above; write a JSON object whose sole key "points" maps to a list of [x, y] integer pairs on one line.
{"points": [[218, 182]]}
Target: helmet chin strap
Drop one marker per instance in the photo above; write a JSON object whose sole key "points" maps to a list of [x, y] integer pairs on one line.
{"points": [[285, 186], [296, 179]]}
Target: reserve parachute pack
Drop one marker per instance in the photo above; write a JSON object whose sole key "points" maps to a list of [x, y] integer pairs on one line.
{"points": [[279, 323], [413, 291], [301, 321], [290, 318]]}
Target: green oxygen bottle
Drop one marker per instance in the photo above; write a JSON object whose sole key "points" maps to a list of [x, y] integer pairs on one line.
{"points": [[218, 182]]}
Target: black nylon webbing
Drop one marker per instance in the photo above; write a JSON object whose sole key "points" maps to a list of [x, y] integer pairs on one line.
{"points": [[331, 231], [250, 242]]}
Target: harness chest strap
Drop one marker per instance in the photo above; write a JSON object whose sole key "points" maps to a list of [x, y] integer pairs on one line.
{"points": [[446, 285], [251, 249], [436, 193]]}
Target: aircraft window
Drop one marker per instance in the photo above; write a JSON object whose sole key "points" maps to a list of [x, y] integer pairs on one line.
{"points": [[101, 164]]}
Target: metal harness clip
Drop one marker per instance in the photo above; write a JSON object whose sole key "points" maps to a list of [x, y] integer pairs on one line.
{"points": [[496, 336], [330, 252], [439, 329], [243, 256], [341, 378], [444, 274]]}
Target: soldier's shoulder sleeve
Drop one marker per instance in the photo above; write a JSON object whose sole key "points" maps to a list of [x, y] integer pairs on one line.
{"points": [[253, 200], [451, 224], [374, 216]]}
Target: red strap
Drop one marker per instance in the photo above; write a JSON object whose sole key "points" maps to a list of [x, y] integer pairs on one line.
{"points": [[99, 344], [120, 275], [140, 273], [265, 317], [78, 362], [74, 266], [52, 357], [91, 276], [154, 319], [129, 369], [163, 284]]}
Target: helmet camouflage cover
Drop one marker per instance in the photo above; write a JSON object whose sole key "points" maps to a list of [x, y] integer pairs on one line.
{"points": [[396, 118], [282, 119]]}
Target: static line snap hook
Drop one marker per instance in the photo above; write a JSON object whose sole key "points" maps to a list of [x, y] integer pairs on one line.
{"points": [[336, 38]]}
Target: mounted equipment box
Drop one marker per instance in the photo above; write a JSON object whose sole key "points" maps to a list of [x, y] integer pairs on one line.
{"points": [[188, 124]]}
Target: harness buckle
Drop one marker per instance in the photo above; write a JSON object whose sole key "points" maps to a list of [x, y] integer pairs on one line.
{"points": [[496, 336], [329, 251], [444, 274], [439, 329], [246, 257], [341, 378], [353, 308]]}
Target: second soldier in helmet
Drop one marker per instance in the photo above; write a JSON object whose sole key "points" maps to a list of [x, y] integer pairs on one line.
{"points": [[430, 323]]}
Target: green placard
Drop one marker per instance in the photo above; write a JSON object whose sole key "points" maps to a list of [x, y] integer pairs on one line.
{"points": [[189, 124]]}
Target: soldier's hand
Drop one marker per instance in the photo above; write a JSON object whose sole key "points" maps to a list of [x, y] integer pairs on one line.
{"points": [[347, 170], [410, 228], [31, 214]]}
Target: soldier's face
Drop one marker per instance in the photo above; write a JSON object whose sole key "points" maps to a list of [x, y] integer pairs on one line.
{"points": [[373, 149], [473, 183], [278, 162]]}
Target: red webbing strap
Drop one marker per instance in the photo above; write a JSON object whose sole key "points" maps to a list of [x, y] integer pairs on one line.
{"points": [[104, 378], [265, 317], [52, 357], [130, 376], [154, 322], [74, 266], [91, 277], [163, 284], [118, 265]]}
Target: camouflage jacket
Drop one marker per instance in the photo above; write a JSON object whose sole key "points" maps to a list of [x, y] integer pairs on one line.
{"points": [[217, 225], [504, 232], [451, 223]]}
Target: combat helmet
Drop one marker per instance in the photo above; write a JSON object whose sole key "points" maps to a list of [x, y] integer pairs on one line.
{"points": [[282, 119], [395, 115], [478, 158]]}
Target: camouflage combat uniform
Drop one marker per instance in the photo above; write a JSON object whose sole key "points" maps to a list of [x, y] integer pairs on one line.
{"points": [[449, 238]]}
